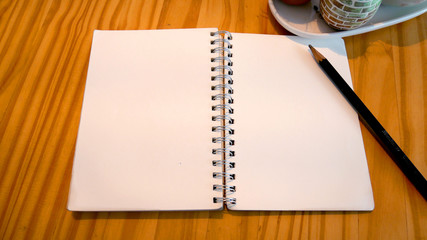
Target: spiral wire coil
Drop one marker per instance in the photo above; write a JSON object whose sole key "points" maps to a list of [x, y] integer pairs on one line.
{"points": [[224, 84]]}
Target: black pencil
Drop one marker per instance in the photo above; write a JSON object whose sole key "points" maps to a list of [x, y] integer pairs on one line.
{"points": [[368, 119]]}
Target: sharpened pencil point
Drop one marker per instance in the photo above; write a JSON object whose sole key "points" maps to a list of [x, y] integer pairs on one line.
{"points": [[319, 57]]}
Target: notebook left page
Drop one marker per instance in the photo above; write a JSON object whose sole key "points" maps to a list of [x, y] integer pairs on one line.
{"points": [[144, 140]]}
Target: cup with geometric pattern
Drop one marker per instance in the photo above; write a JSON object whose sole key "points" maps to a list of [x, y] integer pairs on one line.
{"points": [[348, 14]]}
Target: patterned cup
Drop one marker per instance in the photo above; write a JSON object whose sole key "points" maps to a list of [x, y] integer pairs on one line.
{"points": [[348, 14]]}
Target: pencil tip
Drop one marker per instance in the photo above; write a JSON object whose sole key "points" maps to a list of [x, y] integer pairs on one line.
{"points": [[319, 57]]}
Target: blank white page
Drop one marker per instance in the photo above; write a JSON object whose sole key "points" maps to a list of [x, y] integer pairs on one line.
{"points": [[298, 143], [144, 140]]}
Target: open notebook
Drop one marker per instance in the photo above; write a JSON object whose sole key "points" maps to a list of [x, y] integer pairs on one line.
{"points": [[191, 119]]}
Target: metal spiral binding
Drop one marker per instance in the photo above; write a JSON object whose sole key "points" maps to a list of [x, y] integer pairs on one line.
{"points": [[227, 176], [222, 77], [222, 59], [231, 201], [224, 95], [227, 188], [226, 163]]}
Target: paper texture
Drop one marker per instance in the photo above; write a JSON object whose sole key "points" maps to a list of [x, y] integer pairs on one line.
{"points": [[144, 140], [298, 142]]}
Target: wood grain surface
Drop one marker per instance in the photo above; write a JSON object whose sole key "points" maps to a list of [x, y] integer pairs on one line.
{"points": [[44, 52]]}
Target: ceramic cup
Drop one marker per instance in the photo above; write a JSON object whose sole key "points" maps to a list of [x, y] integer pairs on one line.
{"points": [[348, 14]]}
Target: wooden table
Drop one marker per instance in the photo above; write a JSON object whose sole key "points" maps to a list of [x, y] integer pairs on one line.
{"points": [[44, 52]]}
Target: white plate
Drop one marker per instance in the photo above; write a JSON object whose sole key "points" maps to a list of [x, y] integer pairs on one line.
{"points": [[305, 22]]}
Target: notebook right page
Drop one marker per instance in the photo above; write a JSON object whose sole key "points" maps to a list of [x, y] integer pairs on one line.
{"points": [[298, 144]]}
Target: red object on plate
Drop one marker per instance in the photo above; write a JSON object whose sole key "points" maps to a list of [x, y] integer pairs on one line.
{"points": [[295, 2]]}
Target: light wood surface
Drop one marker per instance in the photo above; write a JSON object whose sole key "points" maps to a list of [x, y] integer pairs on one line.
{"points": [[44, 52]]}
